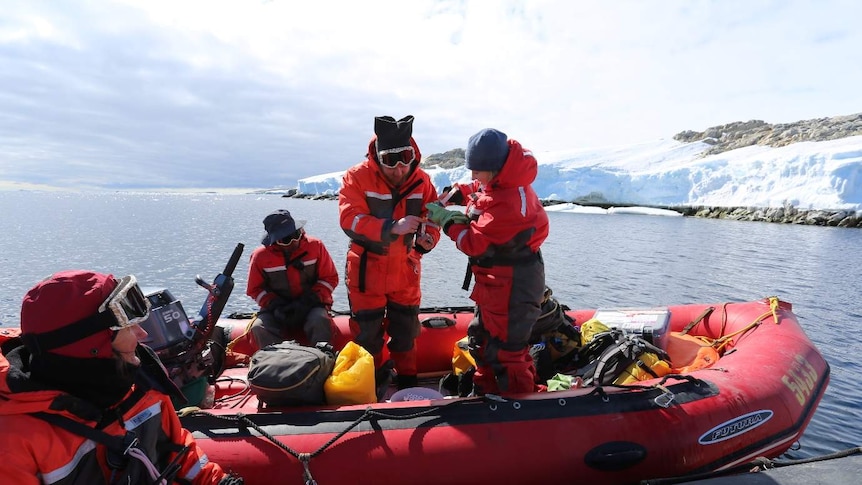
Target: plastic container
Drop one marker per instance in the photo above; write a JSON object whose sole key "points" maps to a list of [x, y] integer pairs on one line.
{"points": [[650, 323]]}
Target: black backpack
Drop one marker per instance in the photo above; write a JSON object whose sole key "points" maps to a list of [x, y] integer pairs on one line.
{"points": [[609, 354], [554, 340], [290, 374]]}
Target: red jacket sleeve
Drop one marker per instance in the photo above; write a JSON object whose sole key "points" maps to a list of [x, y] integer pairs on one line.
{"points": [[354, 215], [327, 276], [499, 220], [255, 287]]}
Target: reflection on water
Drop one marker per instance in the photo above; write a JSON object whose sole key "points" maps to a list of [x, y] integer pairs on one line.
{"points": [[591, 261]]}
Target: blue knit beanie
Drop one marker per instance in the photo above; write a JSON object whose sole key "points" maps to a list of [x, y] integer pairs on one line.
{"points": [[487, 150]]}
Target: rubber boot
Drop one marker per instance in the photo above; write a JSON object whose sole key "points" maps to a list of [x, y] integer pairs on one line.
{"points": [[383, 377]]}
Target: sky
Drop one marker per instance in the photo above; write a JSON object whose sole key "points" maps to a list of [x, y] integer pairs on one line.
{"points": [[129, 94], [811, 175]]}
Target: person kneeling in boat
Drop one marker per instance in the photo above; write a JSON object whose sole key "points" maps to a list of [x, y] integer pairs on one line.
{"points": [[291, 277], [504, 227], [82, 401]]}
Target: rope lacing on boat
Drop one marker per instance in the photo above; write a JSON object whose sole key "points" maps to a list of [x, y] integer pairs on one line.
{"points": [[723, 340], [305, 458]]}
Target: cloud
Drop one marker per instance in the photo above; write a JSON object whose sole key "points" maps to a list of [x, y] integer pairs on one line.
{"points": [[156, 93]]}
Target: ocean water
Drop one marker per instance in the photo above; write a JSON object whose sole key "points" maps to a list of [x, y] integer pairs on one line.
{"points": [[592, 261]]}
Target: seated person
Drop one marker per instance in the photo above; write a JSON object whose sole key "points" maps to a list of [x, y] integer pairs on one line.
{"points": [[82, 401], [291, 277]]}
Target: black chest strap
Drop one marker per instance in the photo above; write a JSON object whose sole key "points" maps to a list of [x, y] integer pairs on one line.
{"points": [[119, 448]]}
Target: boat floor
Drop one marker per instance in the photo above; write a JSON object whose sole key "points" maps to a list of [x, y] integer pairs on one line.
{"points": [[428, 382]]}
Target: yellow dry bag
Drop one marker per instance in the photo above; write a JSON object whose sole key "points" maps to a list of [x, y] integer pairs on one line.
{"points": [[352, 379]]}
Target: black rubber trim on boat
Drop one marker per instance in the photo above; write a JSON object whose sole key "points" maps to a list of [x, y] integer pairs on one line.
{"points": [[457, 412]]}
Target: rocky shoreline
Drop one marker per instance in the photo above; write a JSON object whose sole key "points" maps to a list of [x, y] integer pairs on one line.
{"points": [[786, 215], [780, 215]]}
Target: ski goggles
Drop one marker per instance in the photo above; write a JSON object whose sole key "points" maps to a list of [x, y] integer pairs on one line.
{"points": [[395, 157], [290, 238], [127, 304]]}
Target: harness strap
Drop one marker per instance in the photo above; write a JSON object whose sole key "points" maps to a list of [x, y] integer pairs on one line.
{"points": [[296, 262], [119, 447], [363, 268], [83, 328], [396, 198], [506, 260], [372, 247], [616, 348], [697, 320], [127, 404], [367, 247], [114, 443], [498, 260], [468, 277]]}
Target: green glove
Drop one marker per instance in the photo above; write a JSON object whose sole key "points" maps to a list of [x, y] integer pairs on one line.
{"points": [[560, 382], [444, 217]]}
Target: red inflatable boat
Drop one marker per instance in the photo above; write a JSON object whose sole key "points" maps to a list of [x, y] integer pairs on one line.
{"points": [[756, 400]]}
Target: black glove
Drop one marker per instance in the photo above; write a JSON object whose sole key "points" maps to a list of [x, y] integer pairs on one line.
{"points": [[231, 480], [292, 313], [457, 198], [275, 303], [311, 300]]}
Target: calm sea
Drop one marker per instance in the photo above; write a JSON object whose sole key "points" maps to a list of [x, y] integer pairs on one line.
{"points": [[592, 261]]}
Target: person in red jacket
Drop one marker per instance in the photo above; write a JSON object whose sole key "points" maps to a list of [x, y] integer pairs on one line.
{"points": [[291, 277], [382, 210], [501, 234], [82, 401]]}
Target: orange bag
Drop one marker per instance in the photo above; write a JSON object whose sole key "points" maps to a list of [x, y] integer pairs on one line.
{"points": [[688, 353]]}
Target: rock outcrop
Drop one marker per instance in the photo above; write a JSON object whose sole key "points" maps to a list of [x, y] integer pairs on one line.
{"points": [[741, 134], [451, 159]]}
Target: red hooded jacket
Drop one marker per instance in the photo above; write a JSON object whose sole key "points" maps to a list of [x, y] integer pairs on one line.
{"points": [[508, 218], [34, 452]]}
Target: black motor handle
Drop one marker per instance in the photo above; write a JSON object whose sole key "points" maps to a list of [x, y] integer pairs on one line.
{"points": [[234, 259]]}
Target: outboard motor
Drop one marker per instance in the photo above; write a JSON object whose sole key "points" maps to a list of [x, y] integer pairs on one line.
{"points": [[191, 350], [169, 331]]}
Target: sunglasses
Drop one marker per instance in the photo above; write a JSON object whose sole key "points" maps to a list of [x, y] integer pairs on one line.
{"points": [[395, 157], [290, 239], [127, 303]]}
